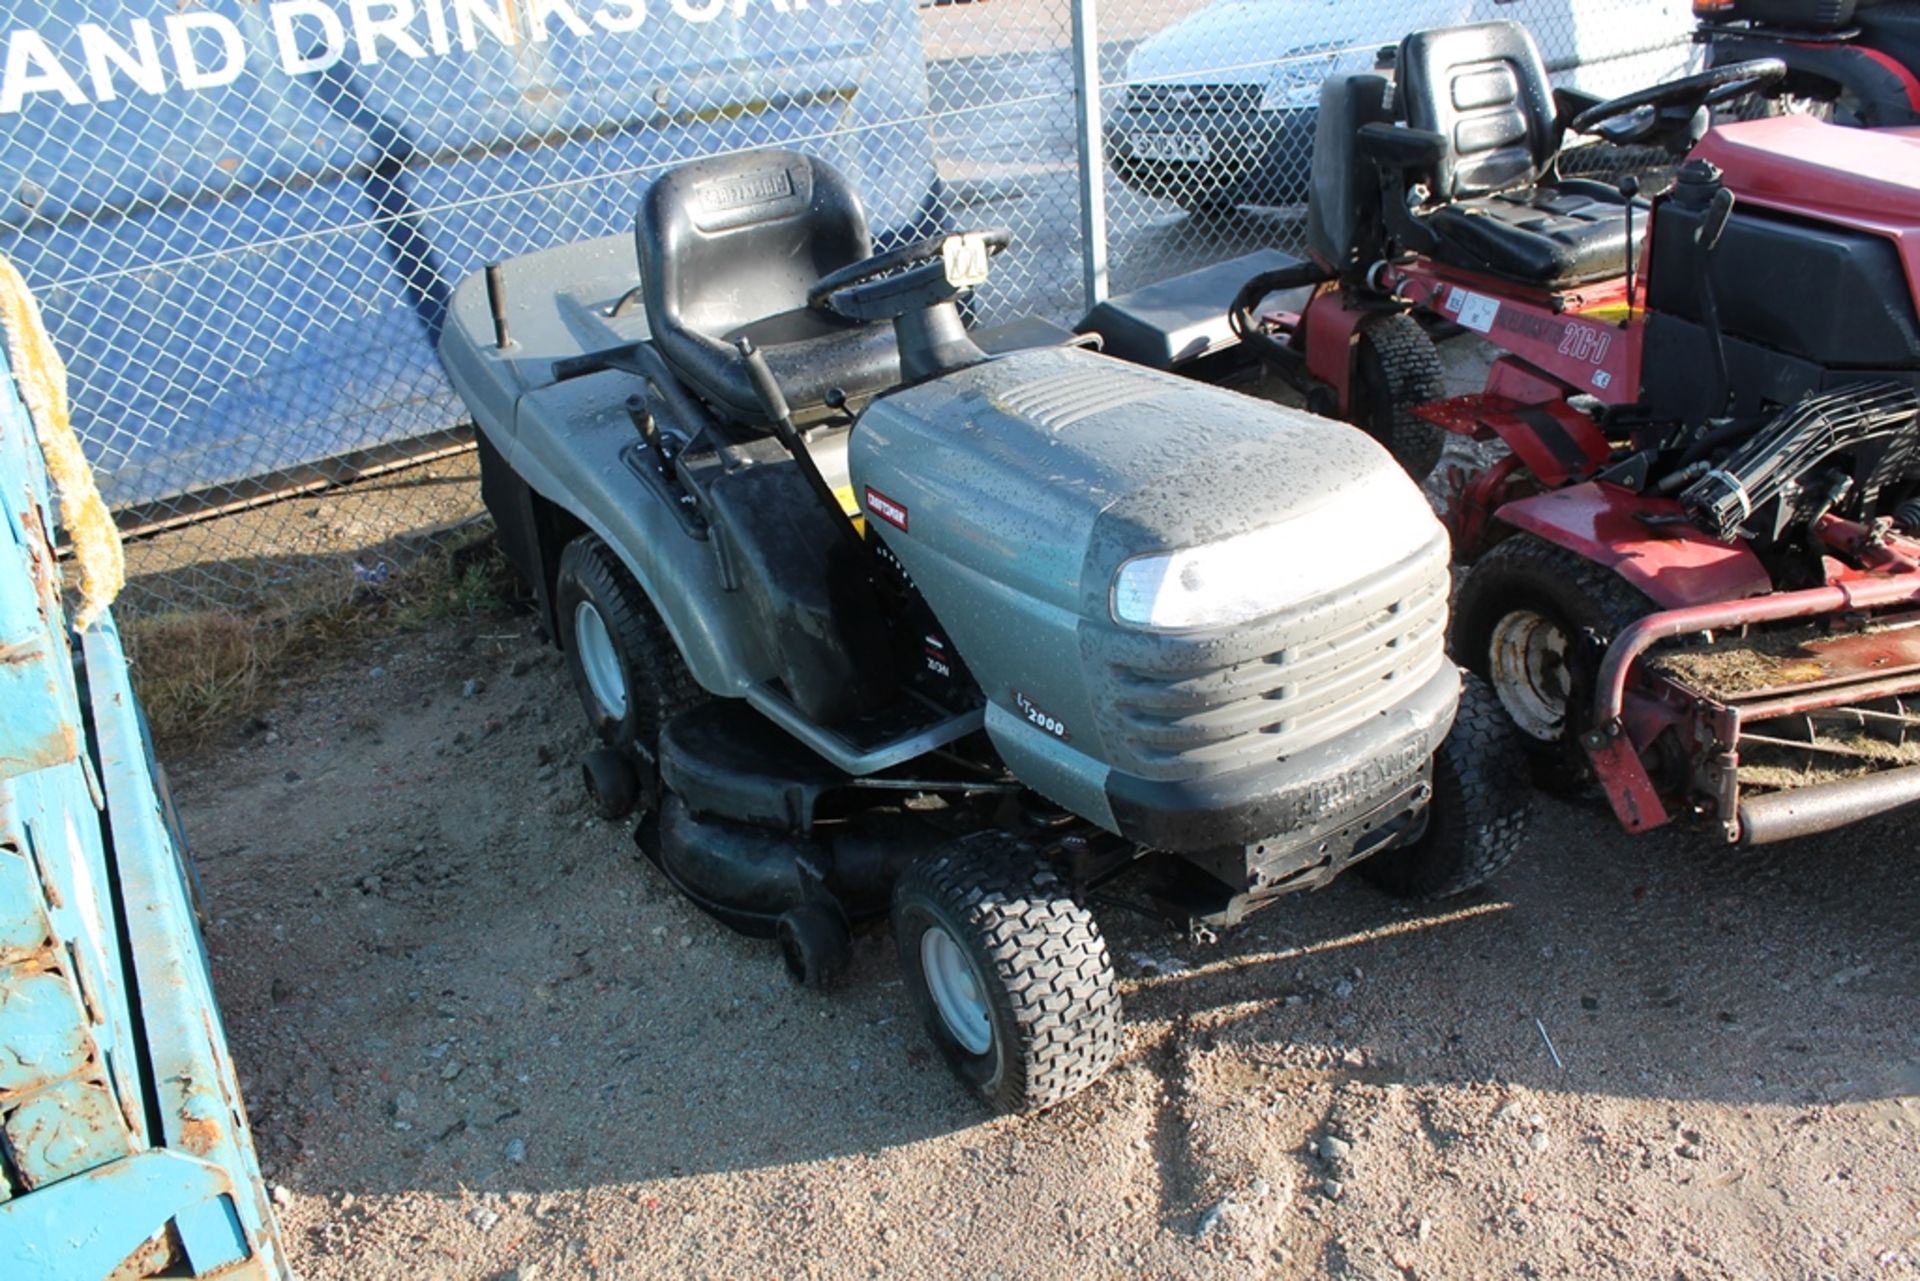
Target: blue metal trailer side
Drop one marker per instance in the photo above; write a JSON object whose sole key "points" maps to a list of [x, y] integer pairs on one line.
{"points": [[124, 1148]]}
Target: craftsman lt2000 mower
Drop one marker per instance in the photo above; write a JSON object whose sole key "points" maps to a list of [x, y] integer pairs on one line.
{"points": [[886, 619], [1701, 428]]}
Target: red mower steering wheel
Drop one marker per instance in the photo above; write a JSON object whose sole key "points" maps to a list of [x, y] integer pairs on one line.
{"points": [[1708, 88]]}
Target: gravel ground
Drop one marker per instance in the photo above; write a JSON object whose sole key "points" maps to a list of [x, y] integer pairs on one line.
{"points": [[479, 1038]]}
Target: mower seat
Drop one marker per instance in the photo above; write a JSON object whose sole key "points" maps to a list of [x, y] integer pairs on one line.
{"points": [[1501, 208], [728, 248]]}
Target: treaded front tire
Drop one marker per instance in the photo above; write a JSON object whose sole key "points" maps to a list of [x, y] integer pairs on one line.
{"points": [[1544, 682], [648, 682], [1396, 366], [1044, 979], [1480, 808]]}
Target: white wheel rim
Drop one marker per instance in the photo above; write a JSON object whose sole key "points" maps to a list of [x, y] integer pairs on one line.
{"points": [[956, 990], [599, 660], [1527, 659]]}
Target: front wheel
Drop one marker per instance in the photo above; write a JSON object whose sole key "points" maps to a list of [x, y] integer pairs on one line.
{"points": [[1210, 206], [1010, 973], [1480, 807], [1535, 619]]}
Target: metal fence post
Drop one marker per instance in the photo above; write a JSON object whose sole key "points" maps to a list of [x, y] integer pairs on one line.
{"points": [[1093, 175]]}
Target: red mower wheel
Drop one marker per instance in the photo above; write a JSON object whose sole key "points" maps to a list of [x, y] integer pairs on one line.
{"points": [[1396, 366], [1534, 620]]}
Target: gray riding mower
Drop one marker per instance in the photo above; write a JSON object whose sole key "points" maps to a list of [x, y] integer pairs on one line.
{"points": [[877, 613]]}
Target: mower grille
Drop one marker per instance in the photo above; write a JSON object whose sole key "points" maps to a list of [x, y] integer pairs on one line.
{"points": [[1281, 685]]}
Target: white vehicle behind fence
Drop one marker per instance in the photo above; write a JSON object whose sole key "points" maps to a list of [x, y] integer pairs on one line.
{"points": [[1219, 109]]}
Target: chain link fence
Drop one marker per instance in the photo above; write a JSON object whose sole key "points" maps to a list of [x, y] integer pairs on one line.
{"points": [[244, 218], [1210, 114]]}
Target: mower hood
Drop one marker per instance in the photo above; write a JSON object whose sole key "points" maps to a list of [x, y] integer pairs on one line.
{"points": [[1134, 566], [1867, 179], [1045, 472]]}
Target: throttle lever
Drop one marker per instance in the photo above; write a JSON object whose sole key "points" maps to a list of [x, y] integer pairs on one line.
{"points": [[1714, 225], [1706, 239]]}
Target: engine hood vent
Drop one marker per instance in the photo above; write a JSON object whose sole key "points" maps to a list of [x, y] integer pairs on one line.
{"points": [[1060, 400]]}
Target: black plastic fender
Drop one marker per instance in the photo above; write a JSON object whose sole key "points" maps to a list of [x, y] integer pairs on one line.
{"points": [[1888, 93]]}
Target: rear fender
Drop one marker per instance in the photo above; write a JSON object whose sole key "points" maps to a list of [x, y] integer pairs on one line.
{"points": [[1329, 328], [530, 530], [567, 448], [1647, 541]]}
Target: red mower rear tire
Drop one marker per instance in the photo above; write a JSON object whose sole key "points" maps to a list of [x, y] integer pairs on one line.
{"points": [[1396, 367], [1479, 812], [1534, 620]]}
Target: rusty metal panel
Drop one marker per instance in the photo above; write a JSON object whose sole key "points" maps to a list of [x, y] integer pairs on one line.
{"points": [[64, 1010], [198, 1092], [97, 1178], [23, 920], [66, 1129], [33, 731], [43, 1030], [60, 1232]]}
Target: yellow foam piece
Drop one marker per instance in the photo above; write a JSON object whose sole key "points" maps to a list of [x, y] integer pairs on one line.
{"points": [[41, 376]]}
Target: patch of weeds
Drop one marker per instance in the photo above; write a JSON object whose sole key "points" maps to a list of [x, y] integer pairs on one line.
{"points": [[201, 672], [468, 580], [197, 672]]}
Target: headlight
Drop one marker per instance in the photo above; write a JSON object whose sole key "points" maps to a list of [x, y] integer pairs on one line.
{"points": [[1295, 83], [1363, 530]]}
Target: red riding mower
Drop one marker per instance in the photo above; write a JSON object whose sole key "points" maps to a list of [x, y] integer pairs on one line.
{"points": [[1854, 62], [1689, 492]]}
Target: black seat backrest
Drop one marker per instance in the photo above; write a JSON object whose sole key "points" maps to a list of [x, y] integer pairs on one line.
{"points": [[733, 239], [1484, 88], [1345, 190]]}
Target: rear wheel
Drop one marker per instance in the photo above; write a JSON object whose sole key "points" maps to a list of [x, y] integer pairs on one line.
{"points": [[625, 665], [1396, 366], [1481, 804], [1010, 973], [1534, 620], [1825, 101]]}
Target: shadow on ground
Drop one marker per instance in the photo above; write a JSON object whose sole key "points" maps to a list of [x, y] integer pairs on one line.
{"points": [[442, 974]]}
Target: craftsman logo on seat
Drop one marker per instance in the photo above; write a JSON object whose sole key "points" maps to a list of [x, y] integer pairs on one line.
{"points": [[886, 509], [759, 189]]}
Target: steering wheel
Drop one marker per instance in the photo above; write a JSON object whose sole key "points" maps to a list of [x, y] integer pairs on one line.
{"points": [[1708, 88], [871, 290]]}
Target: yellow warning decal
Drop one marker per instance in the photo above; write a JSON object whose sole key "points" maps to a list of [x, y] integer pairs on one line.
{"points": [[1612, 313], [843, 494]]}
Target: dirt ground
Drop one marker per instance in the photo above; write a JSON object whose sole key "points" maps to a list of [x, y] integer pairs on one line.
{"points": [[480, 1038]]}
